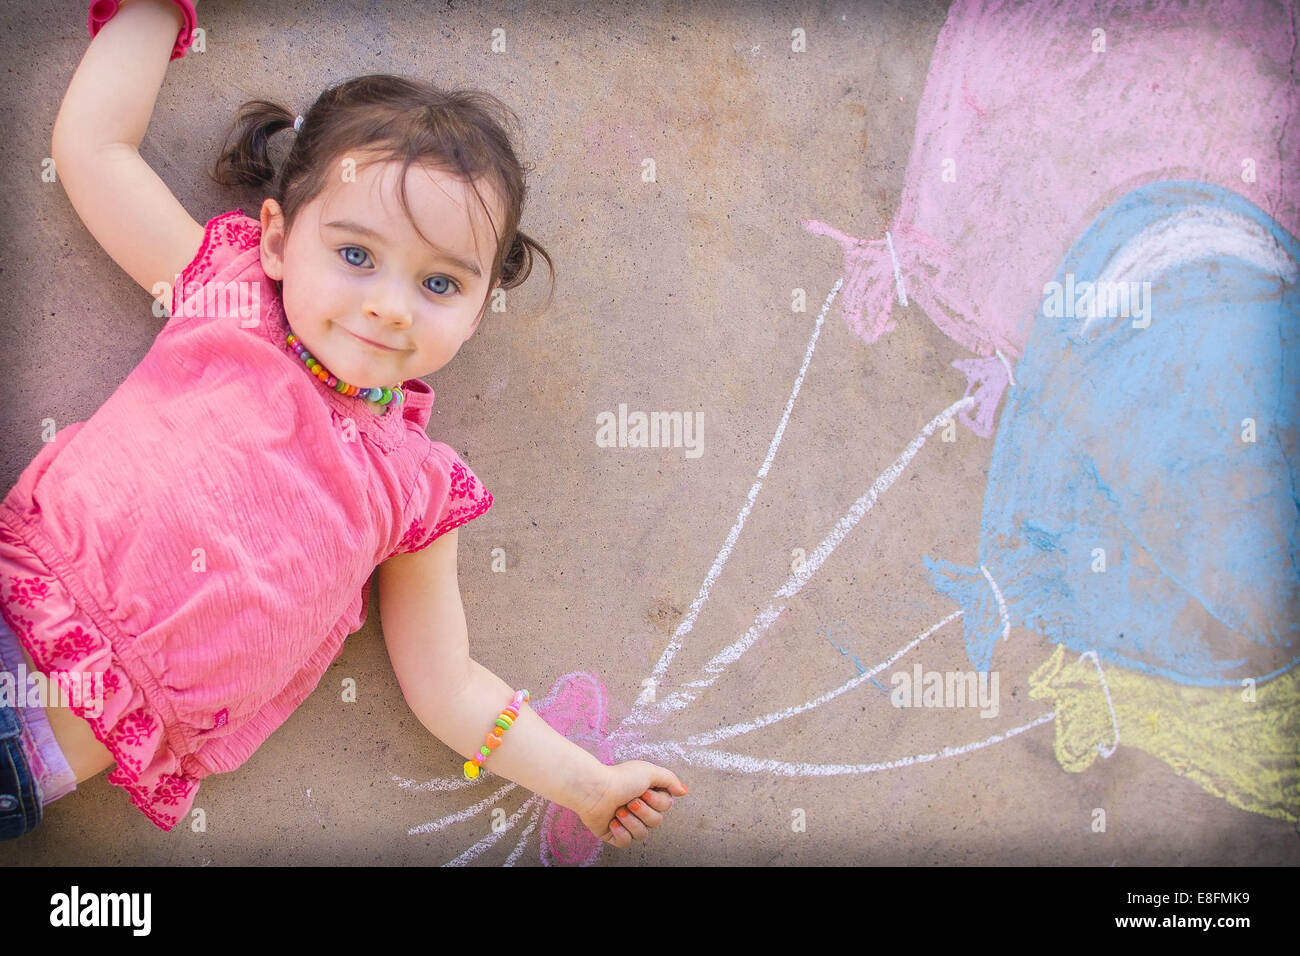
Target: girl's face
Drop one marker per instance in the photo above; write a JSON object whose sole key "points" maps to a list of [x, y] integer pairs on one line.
{"points": [[363, 292]]}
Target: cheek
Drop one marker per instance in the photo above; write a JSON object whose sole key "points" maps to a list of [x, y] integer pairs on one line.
{"points": [[441, 337], [314, 293]]}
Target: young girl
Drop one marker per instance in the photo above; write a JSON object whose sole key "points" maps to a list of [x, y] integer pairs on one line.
{"points": [[202, 545]]}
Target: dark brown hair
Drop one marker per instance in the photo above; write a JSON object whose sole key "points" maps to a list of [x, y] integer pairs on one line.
{"points": [[461, 132]]}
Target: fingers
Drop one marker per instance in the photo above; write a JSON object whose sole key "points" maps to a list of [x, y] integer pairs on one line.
{"points": [[617, 836], [667, 781], [639, 817], [632, 823], [646, 813], [655, 800]]}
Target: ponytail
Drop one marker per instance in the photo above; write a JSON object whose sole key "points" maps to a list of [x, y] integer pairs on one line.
{"points": [[247, 160], [519, 260]]}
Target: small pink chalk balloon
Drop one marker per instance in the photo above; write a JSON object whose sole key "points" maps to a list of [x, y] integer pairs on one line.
{"points": [[577, 707]]}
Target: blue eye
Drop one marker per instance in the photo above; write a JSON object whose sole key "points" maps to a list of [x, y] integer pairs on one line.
{"points": [[365, 255], [346, 249]]}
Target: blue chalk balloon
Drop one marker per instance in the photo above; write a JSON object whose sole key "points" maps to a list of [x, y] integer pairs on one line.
{"points": [[1126, 510]]}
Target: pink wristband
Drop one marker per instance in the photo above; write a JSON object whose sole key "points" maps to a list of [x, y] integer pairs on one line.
{"points": [[101, 11]]}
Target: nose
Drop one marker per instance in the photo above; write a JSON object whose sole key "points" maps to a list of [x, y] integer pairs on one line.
{"points": [[388, 303]]}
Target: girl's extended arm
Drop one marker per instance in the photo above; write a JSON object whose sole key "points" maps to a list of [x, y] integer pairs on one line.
{"points": [[457, 700], [455, 697], [126, 207]]}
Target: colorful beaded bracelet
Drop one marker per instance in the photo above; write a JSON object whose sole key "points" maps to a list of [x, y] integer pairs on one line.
{"points": [[494, 738], [380, 395]]}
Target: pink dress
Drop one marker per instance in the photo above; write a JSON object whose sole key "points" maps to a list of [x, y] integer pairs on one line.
{"points": [[206, 538]]}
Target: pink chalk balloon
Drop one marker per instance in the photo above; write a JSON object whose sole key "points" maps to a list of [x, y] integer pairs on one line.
{"points": [[577, 707], [1037, 116]]}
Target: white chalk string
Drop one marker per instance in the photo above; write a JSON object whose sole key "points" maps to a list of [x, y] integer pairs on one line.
{"points": [[744, 763], [898, 273], [1114, 721], [1002, 605], [1007, 365]]}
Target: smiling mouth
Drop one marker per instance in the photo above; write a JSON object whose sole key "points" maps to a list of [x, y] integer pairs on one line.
{"points": [[378, 345]]}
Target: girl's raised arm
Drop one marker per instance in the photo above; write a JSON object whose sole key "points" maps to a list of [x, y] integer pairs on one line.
{"points": [[97, 134]]}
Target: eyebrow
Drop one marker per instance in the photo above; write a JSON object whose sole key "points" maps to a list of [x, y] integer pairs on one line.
{"points": [[350, 226]]}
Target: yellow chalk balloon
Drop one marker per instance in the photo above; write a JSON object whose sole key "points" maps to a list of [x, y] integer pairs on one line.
{"points": [[1241, 746]]}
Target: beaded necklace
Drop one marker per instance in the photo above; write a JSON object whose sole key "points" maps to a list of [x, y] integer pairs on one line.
{"points": [[380, 396]]}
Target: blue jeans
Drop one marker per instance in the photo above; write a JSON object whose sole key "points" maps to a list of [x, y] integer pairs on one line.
{"points": [[21, 800], [33, 768]]}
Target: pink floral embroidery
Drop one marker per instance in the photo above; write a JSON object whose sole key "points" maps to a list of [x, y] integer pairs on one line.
{"points": [[413, 534], [127, 760], [74, 645], [135, 728], [27, 591], [172, 789], [466, 500], [141, 797], [231, 229], [471, 500], [138, 729], [112, 683]]}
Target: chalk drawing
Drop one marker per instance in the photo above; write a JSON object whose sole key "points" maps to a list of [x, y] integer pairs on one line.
{"points": [[722, 760], [1012, 87], [557, 849], [734, 730], [1135, 437], [1244, 752], [566, 841], [582, 704], [898, 273], [655, 712], [720, 561], [826, 633], [1106, 750], [1129, 436], [1084, 452], [577, 706], [1128, 439]]}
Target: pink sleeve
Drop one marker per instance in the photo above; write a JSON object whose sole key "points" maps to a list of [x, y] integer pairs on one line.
{"points": [[447, 495], [225, 238]]}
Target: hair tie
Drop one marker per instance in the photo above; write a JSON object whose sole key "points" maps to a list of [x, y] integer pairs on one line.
{"points": [[297, 124]]}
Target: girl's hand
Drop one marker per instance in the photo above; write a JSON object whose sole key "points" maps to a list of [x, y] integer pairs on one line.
{"points": [[633, 802]]}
